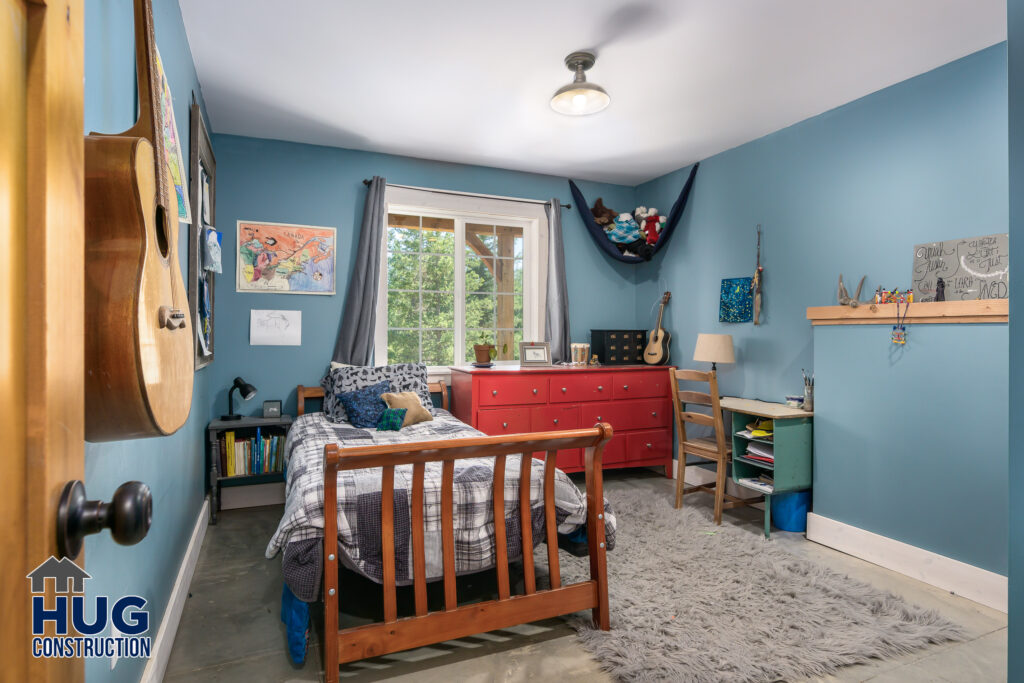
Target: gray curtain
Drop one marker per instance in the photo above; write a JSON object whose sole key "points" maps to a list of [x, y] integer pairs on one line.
{"points": [[556, 322], [358, 322]]}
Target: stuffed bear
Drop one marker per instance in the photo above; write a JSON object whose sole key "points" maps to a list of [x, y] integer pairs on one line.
{"points": [[602, 214], [650, 222]]}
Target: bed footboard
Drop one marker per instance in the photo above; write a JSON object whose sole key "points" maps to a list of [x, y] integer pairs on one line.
{"points": [[394, 634]]}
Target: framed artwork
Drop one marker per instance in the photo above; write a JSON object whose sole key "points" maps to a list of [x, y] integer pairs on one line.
{"points": [[172, 144], [737, 301], [282, 258], [201, 269], [534, 354]]}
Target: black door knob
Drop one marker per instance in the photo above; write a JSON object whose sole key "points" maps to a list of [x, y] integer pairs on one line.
{"points": [[127, 515]]}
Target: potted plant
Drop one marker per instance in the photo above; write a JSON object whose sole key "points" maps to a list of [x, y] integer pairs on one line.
{"points": [[485, 351]]}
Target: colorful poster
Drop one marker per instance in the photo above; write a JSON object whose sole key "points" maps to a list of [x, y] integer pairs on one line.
{"points": [[285, 259], [172, 144], [737, 302]]}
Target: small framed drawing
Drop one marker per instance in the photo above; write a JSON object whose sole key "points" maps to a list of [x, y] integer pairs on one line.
{"points": [[534, 354], [271, 409]]}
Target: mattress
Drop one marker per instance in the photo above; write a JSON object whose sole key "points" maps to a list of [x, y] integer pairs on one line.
{"points": [[299, 534]]}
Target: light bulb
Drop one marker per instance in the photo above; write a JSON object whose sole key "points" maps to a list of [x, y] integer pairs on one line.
{"points": [[579, 101]]}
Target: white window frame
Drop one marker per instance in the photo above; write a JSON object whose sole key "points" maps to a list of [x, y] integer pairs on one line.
{"points": [[462, 209]]}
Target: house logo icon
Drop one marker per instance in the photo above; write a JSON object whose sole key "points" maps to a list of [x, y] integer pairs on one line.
{"points": [[62, 625], [64, 573]]}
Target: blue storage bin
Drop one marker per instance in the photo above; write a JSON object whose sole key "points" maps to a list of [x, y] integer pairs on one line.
{"points": [[789, 510]]}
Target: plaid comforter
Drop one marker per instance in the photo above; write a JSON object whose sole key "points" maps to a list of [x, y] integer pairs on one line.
{"points": [[300, 532]]}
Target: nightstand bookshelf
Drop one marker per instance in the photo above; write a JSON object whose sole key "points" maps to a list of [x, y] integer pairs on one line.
{"points": [[792, 446], [243, 428]]}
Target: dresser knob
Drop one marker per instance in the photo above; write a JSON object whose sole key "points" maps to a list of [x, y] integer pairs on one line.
{"points": [[598, 418], [494, 392], [625, 387], [556, 420], [649, 445], [534, 392], [654, 414], [504, 425], [563, 390], [600, 388]]}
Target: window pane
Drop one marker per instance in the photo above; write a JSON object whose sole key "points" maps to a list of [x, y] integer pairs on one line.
{"points": [[439, 235], [438, 347], [506, 312], [505, 276], [438, 272], [518, 308], [510, 242], [482, 237], [518, 337], [479, 273], [403, 239], [519, 276], [439, 309], [403, 309], [504, 345], [403, 346], [403, 271], [480, 311]]}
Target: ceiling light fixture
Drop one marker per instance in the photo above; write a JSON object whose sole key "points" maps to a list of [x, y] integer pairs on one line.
{"points": [[580, 98]]}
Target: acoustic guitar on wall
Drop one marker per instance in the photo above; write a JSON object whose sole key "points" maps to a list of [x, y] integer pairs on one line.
{"points": [[657, 350], [138, 342]]}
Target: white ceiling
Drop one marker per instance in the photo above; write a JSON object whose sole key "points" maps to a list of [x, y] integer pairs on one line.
{"points": [[470, 81]]}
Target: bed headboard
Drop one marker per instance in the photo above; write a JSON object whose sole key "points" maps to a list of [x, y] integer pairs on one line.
{"points": [[302, 393]]}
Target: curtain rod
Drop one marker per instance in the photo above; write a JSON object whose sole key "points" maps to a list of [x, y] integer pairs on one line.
{"points": [[366, 181]]}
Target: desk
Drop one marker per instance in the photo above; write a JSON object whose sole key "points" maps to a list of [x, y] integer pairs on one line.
{"points": [[792, 446]]}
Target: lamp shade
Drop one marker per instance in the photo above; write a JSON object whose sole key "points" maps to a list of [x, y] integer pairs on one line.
{"points": [[714, 348]]}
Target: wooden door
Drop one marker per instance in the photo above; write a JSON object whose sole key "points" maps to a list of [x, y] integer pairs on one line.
{"points": [[41, 322]]}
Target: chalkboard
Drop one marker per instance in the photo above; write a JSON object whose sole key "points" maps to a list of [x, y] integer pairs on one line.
{"points": [[972, 268]]}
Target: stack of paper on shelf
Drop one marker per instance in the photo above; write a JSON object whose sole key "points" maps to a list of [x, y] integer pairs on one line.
{"points": [[761, 452]]}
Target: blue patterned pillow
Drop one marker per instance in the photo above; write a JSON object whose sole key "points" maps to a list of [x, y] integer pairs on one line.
{"points": [[365, 406], [391, 419]]}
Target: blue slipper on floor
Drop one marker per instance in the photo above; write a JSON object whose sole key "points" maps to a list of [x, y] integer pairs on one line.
{"points": [[295, 615]]}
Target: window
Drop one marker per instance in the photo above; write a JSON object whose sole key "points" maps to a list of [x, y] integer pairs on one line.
{"points": [[450, 280]]}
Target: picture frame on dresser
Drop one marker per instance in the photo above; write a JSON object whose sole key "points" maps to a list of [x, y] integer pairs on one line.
{"points": [[534, 354]]}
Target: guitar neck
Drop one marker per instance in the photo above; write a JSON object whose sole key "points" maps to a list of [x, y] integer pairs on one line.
{"points": [[661, 312], [150, 123]]}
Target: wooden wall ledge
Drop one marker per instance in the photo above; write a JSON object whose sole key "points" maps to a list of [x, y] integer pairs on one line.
{"points": [[982, 311]]}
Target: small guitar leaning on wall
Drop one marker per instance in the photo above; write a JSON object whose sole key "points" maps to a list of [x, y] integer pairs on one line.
{"points": [[138, 342], [657, 350]]}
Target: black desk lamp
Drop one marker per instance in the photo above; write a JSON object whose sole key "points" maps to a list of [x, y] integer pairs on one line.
{"points": [[245, 390]]}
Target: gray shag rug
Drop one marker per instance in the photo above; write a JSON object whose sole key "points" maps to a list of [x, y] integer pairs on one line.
{"points": [[694, 602]]}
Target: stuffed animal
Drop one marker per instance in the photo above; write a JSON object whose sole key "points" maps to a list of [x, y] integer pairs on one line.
{"points": [[650, 222], [624, 230], [602, 214]]}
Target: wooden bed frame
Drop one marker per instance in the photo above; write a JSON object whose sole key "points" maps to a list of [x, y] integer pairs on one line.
{"points": [[425, 628]]}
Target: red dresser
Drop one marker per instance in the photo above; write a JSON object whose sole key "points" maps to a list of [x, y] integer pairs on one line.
{"points": [[634, 399]]}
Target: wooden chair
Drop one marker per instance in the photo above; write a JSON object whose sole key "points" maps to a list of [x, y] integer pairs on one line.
{"points": [[718, 448]]}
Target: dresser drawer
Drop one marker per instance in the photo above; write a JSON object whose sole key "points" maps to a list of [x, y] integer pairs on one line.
{"points": [[553, 418], [649, 445], [621, 415], [497, 421], [641, 385], [508, 390], [614, 451], [576, 387]]}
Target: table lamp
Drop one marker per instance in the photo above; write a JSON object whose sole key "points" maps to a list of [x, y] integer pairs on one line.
{"points": [[714, 348], [245, 390]]}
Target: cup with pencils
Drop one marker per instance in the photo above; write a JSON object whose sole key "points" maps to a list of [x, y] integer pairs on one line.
{"points": [[808, 391]]}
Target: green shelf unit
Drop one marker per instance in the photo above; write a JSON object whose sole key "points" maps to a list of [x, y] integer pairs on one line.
{"points": [[792, 446]]}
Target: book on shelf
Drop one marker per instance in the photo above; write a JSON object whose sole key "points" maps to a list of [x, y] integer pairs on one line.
{"points": [[258, 454], [229, 438]]}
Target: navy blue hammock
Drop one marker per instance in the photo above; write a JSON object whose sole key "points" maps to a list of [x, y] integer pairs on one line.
{"points": [[599, 235]]}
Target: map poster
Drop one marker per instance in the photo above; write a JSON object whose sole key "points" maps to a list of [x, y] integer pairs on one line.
{"points": [[280, 258]]}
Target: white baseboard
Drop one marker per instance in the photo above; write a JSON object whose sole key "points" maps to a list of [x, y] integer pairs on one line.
{"points": [[960, 578], [233, 497], [164, 641]]}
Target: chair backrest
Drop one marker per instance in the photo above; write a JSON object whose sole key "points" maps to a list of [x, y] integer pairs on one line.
{"points": [[681, 398]]}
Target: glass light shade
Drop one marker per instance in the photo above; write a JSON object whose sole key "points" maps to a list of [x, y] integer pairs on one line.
{"points": [[714, 348], [580, 99]]}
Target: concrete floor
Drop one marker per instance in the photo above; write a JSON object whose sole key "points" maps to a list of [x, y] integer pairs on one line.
{"points": [[230, 630]]}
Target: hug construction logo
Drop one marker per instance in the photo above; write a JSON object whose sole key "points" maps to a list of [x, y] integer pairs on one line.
{"points": [[126, 616]]}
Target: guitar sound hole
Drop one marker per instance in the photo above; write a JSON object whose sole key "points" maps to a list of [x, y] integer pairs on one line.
{"points": [[161, 231]]}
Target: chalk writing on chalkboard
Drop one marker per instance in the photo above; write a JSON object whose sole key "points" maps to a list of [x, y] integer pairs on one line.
{"points": [[966, 269]]}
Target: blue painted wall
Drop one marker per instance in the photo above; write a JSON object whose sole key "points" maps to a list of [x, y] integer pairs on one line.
{"points": [[1015, 59], [294, 183], [851, 191], [172, 466]]}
